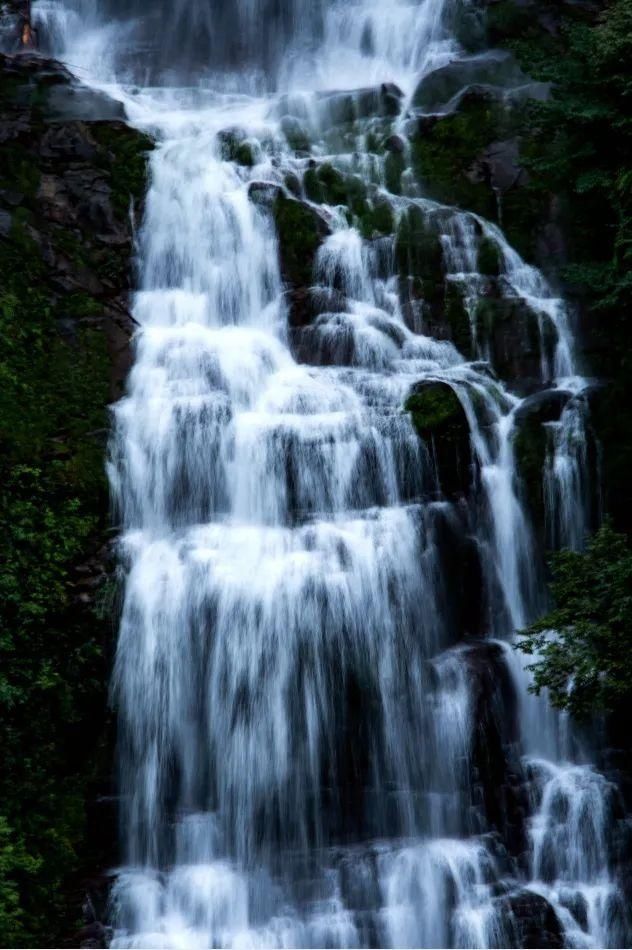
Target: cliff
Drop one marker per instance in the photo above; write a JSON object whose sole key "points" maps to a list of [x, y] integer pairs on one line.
{"points": [[72, 179]]}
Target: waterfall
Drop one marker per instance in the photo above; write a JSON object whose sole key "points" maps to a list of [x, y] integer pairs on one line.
{"points": [[311, 753]]}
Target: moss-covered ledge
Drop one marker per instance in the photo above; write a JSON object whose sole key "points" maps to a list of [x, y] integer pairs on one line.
{"points": [[70, 172]]}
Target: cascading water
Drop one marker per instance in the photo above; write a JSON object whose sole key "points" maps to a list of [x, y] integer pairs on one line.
{"points": [[309, 756]]}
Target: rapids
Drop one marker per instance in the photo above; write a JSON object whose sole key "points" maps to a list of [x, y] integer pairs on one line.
{"points": [[311, 752]]}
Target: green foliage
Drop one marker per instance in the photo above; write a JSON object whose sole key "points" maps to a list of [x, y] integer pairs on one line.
{"points": [[53, 394], [577, 147], [585, 663]]}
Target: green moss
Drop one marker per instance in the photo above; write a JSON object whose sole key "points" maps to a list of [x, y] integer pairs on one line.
{"points": [[19, 170], [419, 253], [326, 184], [313, 186], [53, 500], [54, 391], [299, 238], [125, 159], [296, 134], [433, 408], [377, 219], [443, 154]]}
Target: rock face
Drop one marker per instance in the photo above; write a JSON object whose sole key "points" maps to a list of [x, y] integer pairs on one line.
{"points": [[496, 69], [440, 420], [67, 186], [72, 179]]}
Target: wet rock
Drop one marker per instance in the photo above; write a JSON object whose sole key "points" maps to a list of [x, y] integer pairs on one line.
{"points": [[235, 147], [440, 420], [495, 68], [499, 165], [296, 134], [73, 180], [532, 921], [488, 260], [341, 108], [531, 441], [72, 102], [264, 193], [520, 341], [499, 790], [460, 558], [301, 231], [542, 407]]}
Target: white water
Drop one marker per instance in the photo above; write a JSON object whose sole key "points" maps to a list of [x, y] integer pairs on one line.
{"points": [[299, 732]]}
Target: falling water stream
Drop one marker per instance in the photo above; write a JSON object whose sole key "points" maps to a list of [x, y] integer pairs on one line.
{"points": [[303, 729]]}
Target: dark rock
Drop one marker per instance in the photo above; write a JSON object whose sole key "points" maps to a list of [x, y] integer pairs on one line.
{"points": [[341, 108], [495, 68], [517, 338], [5, 223], [499, 165], [264, 193], [301, 231], [542, 407], [440, 420], [531, 441], [499, 782], [395, 144], [235, 147], [532, 921], [296, 134], [488, 259], [76, 103]]}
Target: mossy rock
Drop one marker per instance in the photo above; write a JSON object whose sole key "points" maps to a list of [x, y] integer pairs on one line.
{"points": [[444, 151], [530, 447], [433, 406], [300, 231], [458, 319], [440, 420], [497, 68], [488, 258], [394, 167], [235, 147], [296, 134], [377, 219], [127, 151], [419, 254]]}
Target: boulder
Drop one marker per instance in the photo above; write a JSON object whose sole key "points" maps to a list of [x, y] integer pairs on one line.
{"points": [[541, 407], [496, 68], [440, 420], [499, 165], [235, 147], [530, 442], [341, 108], [531, 921], [301, 231]]}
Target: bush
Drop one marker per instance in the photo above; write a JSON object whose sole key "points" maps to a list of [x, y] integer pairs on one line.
{"points": [[582, 647]]}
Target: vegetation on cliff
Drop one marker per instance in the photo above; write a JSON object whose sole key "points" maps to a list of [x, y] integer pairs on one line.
{"points": [[65, 250], [576, 148], [585, 663]]}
